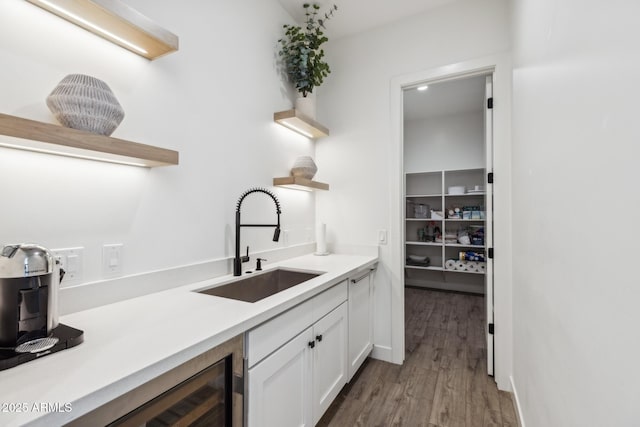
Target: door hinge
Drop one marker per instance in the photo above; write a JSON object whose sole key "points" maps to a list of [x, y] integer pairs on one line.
{"points": [[490, 254], [491, 328], [490, 103], [490, 177]]}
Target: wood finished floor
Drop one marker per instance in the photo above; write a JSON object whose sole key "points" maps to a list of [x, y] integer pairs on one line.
{"points": [[443, 381]]}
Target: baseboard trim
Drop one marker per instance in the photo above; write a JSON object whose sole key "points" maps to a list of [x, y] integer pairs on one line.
{"points": [[383, 353], [516, 402]]}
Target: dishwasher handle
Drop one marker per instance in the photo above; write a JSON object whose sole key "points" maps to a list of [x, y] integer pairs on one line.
{"points": [[363, 276]]}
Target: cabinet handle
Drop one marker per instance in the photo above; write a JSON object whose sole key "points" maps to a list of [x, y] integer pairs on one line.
{"points": [[319, 337], [361, 277], [312, 344]]}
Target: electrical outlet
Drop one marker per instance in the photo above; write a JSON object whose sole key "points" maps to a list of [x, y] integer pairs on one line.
{"points": [[72, 261], [112, 259]]}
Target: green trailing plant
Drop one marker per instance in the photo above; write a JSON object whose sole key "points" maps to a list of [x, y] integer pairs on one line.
{"points": [[301, 51]]}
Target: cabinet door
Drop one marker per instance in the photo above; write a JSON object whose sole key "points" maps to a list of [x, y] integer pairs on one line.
{"points": [[280, 390], [360, 321], [329, 359]]}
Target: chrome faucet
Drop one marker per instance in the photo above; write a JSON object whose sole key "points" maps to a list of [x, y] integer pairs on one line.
{"points": [[238, 260]]}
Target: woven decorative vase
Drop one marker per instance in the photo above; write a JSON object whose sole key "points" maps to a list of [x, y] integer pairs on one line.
{"points": [[85, 103], [304, 167]]}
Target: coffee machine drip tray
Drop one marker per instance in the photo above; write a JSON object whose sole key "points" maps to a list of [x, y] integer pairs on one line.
{"points": [[61, 338]]}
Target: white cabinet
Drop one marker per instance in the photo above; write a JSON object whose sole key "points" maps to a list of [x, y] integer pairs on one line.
{"points": [[298, 362], [280, 386], [329, 359], [360, 320]]}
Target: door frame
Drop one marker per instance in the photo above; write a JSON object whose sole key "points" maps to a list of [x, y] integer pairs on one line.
{"points": [[500, 66], [488, 230]]}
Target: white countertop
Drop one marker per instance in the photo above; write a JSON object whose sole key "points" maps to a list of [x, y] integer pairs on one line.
{"points": [[131, 342]]}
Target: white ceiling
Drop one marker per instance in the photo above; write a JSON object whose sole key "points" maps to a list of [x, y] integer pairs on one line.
{"points": [[354, 16], [449, 97]]}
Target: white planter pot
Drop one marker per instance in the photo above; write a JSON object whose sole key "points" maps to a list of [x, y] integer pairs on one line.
{"points": [[307, 105]]}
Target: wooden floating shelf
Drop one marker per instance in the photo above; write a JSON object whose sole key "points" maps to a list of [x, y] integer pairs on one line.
{"points": [[298, 122], [297, 183], [53, 139], [117, 22]]}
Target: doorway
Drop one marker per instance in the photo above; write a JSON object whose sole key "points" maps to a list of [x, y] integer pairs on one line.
{"points": [[501, 68], [447, 157]]}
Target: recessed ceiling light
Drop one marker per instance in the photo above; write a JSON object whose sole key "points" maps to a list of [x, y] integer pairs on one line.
{"points": [[423, 88]]}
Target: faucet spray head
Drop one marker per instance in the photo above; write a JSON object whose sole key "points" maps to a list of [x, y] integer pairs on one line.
{"points": [[276, 234]]}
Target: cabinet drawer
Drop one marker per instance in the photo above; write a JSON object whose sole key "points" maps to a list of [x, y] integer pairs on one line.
{"points": [[328, 300], [266, 338], [274, 333]]}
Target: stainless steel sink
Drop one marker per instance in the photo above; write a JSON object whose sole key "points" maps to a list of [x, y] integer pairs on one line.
{"points": [[260, 285]]}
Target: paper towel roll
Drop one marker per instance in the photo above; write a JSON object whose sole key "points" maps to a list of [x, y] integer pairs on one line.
{"points": [[321, 239], [460, 266], [472, 266], [450, 264]]}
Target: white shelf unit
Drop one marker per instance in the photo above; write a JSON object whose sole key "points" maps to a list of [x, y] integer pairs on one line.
{"points": [[431, 188], [417, 267]]}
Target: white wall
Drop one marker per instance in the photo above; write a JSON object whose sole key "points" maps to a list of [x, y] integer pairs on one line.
{"points": [[575, 176], [453, 141], [213, 101], [355, 105]]}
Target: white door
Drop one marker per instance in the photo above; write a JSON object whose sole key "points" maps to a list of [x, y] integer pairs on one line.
{"points": [[329, 359], [280, 386], [488, 291], [360, 321]]}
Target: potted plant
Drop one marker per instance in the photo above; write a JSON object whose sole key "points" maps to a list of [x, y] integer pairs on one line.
{"points": [[303, 57]]}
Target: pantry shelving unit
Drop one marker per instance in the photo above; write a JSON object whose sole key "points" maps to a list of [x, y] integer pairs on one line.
{"points": [[431, 188]]}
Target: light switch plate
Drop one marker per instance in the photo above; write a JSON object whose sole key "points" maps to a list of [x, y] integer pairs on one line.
{"points": [[382, 237], [72, 261], [112, 259]]}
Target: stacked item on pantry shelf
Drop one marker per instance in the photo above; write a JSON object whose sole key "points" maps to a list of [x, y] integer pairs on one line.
{"points": [[466, 212], [429, 233], [469, 261], [472, 235], [418, 260], [448, 237]]}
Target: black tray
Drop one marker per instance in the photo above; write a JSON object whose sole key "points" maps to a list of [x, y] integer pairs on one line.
{"points": [[68, 337]]}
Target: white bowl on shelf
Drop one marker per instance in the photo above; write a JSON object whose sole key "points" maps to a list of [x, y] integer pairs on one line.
{"points": [[418, 258]]}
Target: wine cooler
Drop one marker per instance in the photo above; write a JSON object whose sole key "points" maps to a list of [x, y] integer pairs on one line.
{"points": [[205, 392]]}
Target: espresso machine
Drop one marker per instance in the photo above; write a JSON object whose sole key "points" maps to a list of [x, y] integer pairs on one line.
{"points": [[30, 277]]}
